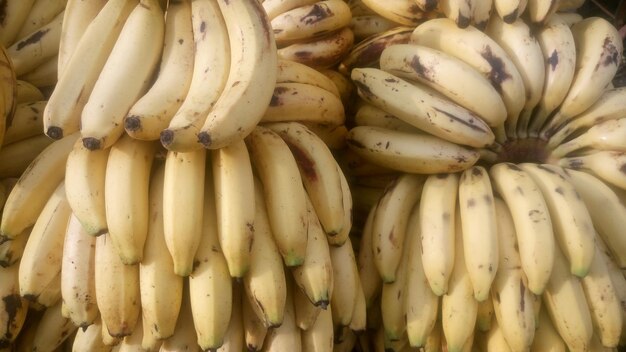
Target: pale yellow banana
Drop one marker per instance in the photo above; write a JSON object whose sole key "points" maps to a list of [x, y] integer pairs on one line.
{"points": [[276, 7], [342, 301], [52, 329], [294, 72], [320, 336], [285, 337], [546, 337], [458, 11], [371, 281], [254, 329], [324, 52], [405, 12], [90, 339]]}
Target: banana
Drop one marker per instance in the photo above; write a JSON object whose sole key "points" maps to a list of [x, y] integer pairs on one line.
{"points": [[285, 337], [484, 315], [540, 11], [276, 7], [510, 295], [448, 75], [315, 275], [345, 271], [132, 61], [364, 26], [40, 266], [358, 323], [617, 279], [437, 229], [126, 191], [390, 221], [559, 54], [45, 75], [405, 12], [77, 17], [458, 306], [234, 339], [458, 11], [369, 115], [546, 337], [306, 312], [319, 173], [346, 342], [161, 289], [603, 301], [16, 157], [369, 277], [280, 177], [29, 195], [90, 339], [607, 135], [41, 13], [319, 337], [295, 72], [366, 53], [182, 208], [133, 341], [265, 283], [606, 165], [15, 13], [495, 341], [78, 287], [11, 250], [8, 98], [510, 10], [211, 63], [525, 52], [422, 107], [605, 209], [249, 87], [80, 72], [422, 305], [117, 289], [27, 122], [533, 224], [479, 51], [184, 337], [14, 308], [481, 13], [572, 224], [53, 328], [254, 330], [324, 52], [608, 107], [27, 93], [564, 300], [333, 136], [210, 285], [309, 22], [478, 220], [153, 112], [598, 54], [85, 172], [149, 342], [36, 46], [304, 102]]}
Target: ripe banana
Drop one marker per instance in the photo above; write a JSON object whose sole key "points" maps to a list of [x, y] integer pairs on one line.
{"points": [[211, 64], [346, 196], [15, 157], [249, 87], [29, 195], [421, 107], [13, 308], [481, 13], [40, 266], [85, 172], [161, 289], [484, 315], [320, 336], [343, 298], [285, 337], [405, 12], [184, 337], [324, 52], [276, 7], [306, 312], [294, 72], [90, 339], [369, 115], [510, 10], [78, 287], [27, 122], [234, 338], [368, 273], [458, 11], [478, 220], [41, 13], [448, 75], [153, 112], [606, 165], [358, 324], [210, 285], [278, 171], [27, 93], [546, 337], [617, 279], [132, 62], [126, 181], [533, 224], [52, 329], [254, 330], [364, 26], [117, 289], [540, 11], [14, 14], [182, 207], [233, 185], [607, 135], [80, 73], [265, 283]]}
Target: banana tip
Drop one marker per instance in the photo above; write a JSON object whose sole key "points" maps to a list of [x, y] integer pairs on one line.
{"points": [[54, 132]]}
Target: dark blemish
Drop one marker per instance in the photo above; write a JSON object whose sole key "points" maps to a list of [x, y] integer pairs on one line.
{"points": [[202, 26], [275, 101], [399, 295], [166, 137], [466, 123], [54, 132], [575, 163], [490, 268], [622, 168], [522, 303], [510, 18], [446, 216], [378, 250], [519, 190], [546, 169], [196, 263], [363, 88], [322, 304], [553, 60], [3, 10], [476, 171], [442, 176], [471, 202], [387, 145], [609, 53], [303, 54], [34, 109], [12, 305], [181, 41], [462, 21], [318, 13], [559, 190], [91, 143], [355, 144], [414, 9], [488, 199], [420, 69], [34, 38], [513, 167], [307, 165], [497, 75], [236, 83], [205, 139], [391, 80], [132, 123], [430, 5]]}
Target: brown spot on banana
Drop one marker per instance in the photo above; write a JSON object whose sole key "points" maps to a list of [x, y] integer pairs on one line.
{"points": [[511, 17], [430, 5], [32, 39], [553, 60], [420, 69], [471, 202], [610, 54], [12, 304], [466, 123], [522, 288], [462, 21], [306, 164], [318, 13], [498, 74]]}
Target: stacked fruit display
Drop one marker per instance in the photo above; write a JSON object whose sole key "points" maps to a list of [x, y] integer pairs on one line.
{"points": [[312, 176]]}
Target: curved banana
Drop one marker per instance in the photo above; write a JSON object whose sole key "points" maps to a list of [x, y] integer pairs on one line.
{"points": [[14, 14], [80, 72], [285, 337], [422, 107], [132, 62], [41, 13], [405, 12], [320, 336], [346, 197], [371, 281], [90, 339], [358, 323], [249, 87], [126, 182], [254, 330], [324, 52], [343, 299], [306, 312], [85, 172], [606, 165], [52, 329], [265, 283], [364, 26], [276, 7], [606, 135], [210, 284], [295, 72], [447, 74], [533, 224], [14, 308], [27, 93], [182, 206], [160, 287], [153, 112], [78, 287], [29, 195], [27, 122], [285, 196], [184, 337], [211, 65]]}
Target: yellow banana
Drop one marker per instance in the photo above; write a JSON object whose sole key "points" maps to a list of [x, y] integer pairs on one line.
{"points": [[27, 121], [371, 281], [324, 52], [14, 308], [17, 156], [254, 330], [53, 328], [319, 337], [343, 298]]}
